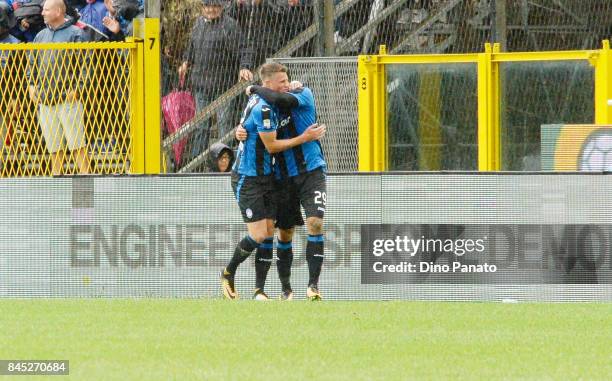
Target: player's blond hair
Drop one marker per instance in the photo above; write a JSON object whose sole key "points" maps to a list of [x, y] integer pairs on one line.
{"points": [[269, 69]]}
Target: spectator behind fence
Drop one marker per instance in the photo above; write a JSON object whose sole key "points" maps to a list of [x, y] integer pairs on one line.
{"points": [[267, 25], [258, 22], [90, 33], [120, 17], [7, 21], [78, 4], [8, 94], [6, 6], [55, 86], [93, 13], [216, 58], [297, 16], [221, 158], [28, 14]]}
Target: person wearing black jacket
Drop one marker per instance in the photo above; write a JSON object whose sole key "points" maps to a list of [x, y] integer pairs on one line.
{"points": [[215, 58], [260, 23]]}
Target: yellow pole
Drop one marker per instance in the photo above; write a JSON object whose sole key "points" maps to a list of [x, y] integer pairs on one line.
{"points": [[137, 109], [379, 128], [484, 61], [366, 98], [603, 85], [494, 113], [152, 96]]}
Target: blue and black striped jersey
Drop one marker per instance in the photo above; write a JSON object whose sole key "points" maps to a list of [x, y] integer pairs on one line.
{"points": [[252, 158], [308, 156]]}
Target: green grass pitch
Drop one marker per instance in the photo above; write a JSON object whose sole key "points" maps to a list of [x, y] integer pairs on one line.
{"points": [[185, 339]]}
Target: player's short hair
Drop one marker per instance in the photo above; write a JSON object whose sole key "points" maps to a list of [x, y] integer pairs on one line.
{"points": [[269, 69]]}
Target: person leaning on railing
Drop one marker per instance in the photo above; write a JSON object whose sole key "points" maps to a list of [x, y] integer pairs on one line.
{"points": [[55, 85]]}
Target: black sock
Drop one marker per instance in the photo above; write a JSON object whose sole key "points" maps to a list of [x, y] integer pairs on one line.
{"points": [[241, 253], [314, 257], [284, 259], [263, 260]]}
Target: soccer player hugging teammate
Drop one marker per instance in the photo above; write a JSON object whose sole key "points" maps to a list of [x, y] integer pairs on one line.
{"points": [[300, 173], [253, 180]]}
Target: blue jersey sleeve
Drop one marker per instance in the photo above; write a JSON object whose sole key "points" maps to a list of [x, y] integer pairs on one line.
{"points": [[304, 97], [265, 119]]}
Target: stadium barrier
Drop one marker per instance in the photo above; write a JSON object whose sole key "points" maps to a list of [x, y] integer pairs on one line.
{"points": [[63, 97], [414, 236], [475, 111]]}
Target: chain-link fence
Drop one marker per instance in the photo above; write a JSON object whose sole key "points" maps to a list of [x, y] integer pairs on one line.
{"points": [[66, 110], [206, 50], [333, 82]]}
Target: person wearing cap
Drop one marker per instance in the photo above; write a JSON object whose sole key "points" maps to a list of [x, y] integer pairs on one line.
{"points": [[221, 158], [214, 60]]}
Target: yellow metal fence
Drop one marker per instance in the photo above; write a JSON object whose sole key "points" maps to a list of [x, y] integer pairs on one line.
{"points": [[493, 112], [75, 108]]}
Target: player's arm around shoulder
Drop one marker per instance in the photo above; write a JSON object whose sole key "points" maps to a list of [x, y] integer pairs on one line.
{"points": [[304, 96], [274, 145]]}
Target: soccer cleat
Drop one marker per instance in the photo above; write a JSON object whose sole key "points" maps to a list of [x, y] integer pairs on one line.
{"points": [[227, 285], [313, 293], [286, 295], [260, 295]]}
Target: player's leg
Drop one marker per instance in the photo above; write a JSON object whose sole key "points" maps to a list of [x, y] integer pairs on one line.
{"points": [[313, 196], [315, 254], [242, 251], [284, 260], [264, 207], [289, 216], [250, 202], [263, 261]]}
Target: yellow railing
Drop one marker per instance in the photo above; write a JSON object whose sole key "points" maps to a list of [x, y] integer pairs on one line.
{"points": [[373, 133], [68, 108]]}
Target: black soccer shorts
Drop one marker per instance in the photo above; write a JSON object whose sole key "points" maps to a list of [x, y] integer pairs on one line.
{"points": [[289, 212], [256, 197], [308, 190]]}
